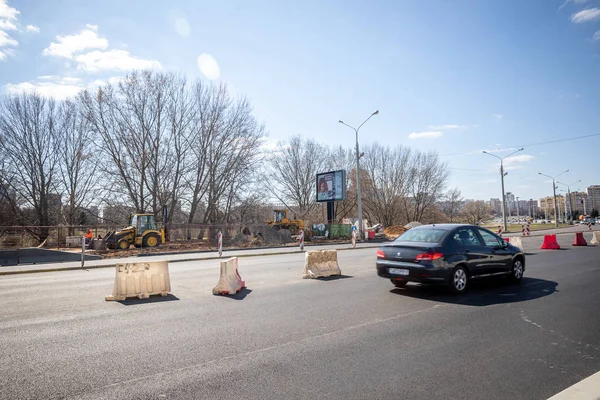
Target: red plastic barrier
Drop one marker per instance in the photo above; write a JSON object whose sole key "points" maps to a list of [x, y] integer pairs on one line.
{"points": [[579, 239], [550, 243], [507, 239]]}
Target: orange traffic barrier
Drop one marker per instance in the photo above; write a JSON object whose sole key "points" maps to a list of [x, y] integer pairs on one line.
{"points": [[550, 243], [507, 240], [579, 239]]}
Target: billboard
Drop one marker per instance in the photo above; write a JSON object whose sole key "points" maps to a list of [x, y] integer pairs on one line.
{"points": [[331, 186]]}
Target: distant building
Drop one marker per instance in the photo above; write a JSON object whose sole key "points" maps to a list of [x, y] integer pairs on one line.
{"points": [[593, 198], [495, 206], [547, 206]]}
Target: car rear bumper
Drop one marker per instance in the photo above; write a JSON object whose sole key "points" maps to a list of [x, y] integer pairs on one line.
{"points": [[416, 273]]}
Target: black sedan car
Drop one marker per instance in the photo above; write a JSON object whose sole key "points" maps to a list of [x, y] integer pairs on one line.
{"points": [[448, 253]]}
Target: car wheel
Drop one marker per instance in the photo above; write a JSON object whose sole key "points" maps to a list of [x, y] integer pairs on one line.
{"points": [[459, 280], [516, 274], [398, 284], [123, 244]]}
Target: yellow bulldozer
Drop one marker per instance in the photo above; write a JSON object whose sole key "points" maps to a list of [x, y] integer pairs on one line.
{"points": [[141, 232], [281, 221]]}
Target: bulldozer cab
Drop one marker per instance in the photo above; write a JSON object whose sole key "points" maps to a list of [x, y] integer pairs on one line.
{"points": [[280, 215], [143, 222]]}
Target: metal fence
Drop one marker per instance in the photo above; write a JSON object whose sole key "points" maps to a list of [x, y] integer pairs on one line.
{"points": [[14, 237]]}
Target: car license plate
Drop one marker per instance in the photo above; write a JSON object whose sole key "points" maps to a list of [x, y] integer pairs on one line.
{"points": [[398, 271]]}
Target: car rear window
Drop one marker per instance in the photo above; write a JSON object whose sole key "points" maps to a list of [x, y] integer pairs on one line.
{"points": [[426, 235]]}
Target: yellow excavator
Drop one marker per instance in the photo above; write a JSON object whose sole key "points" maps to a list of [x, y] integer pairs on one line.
{"points": [[141, 232], [281, 221]]}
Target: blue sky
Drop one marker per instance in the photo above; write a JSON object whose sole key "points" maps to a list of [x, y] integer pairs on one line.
{"points": [[452, 76]]}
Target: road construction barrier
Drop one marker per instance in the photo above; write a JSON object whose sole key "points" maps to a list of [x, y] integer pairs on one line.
{"points": [[230, 281], [550, 243], [528, 230], [499, 230], [507, 240], [301, 240], [141, 279], [595, 238], [220, 243], [590, 226], [517, 242], [579, 239], [320, 264], [353, 239]]}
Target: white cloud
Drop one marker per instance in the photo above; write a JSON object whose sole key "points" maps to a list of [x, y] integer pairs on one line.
{"points": [[32, 29], [67, 46], [113, 60], [596, 36], [7, 26], [182, 27], [425, 135], [6, 40], [446, 127], [7, 12], [587, 15], [517, 159], [208, 66], [571, 1], [2, 56], [499, 116], [77, 48], [59, 89]]}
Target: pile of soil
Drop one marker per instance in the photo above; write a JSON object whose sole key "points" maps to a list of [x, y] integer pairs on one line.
{"points": [[392, 232], [413, 224]]}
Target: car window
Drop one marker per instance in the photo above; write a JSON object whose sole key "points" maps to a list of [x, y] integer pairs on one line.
{"points": [[466, 237], [490, 239], [427, 235]]}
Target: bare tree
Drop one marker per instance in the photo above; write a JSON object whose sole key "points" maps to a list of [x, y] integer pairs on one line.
{"points": [[226, 142], [386, 186], [77, 162], [291, 174], [451, 204], [475, 211], [29, 148], [425, 183]]}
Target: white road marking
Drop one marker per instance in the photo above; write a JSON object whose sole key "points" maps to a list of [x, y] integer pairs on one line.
{"points": [[587, 389]]}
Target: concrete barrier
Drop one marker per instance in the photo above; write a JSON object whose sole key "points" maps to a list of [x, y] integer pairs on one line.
{"points": [[141, 280], [320, 264], [9, 257], [230, 281], [33, 255], [595, 237], [517, 242]]}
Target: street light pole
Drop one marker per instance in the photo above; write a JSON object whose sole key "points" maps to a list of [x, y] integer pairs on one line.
{"points": [[554, 191], [502, 174], [518, 216], [569, 194], [359, 201]]}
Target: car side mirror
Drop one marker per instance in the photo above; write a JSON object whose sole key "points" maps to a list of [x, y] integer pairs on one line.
{"points": [[504, 244]]}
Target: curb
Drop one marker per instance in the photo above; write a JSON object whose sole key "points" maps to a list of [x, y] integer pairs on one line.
{"points": [[58, 269]]}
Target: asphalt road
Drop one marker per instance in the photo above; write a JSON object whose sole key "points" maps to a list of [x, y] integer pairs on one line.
{"points": [[354, 337]]}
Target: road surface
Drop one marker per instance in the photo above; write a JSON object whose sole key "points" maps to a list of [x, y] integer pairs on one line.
{"points": [[355, 337]]}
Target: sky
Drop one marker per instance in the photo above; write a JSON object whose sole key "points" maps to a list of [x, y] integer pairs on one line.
{"points": [[451, 76]]}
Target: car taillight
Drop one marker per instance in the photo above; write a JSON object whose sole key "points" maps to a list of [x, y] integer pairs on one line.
{"points": [[380, 254], [429, 256]]}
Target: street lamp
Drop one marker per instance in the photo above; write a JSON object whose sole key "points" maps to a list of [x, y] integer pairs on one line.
{"points": [[502, 175], [358, 171], [569, 194], [554, 190], [518, 216]]}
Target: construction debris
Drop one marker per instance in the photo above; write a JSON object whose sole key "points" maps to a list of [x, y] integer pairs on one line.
{"points": [[392, 232]]}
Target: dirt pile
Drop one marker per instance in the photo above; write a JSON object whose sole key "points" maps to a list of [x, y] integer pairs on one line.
{"points": [[392, 232]]}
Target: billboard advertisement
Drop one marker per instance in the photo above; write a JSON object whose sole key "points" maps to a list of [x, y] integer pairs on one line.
{"points": [[331, 186]]}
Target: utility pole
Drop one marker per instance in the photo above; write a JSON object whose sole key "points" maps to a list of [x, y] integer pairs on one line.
{"points": [[556, 210], [359, 201], [502, 175]]}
